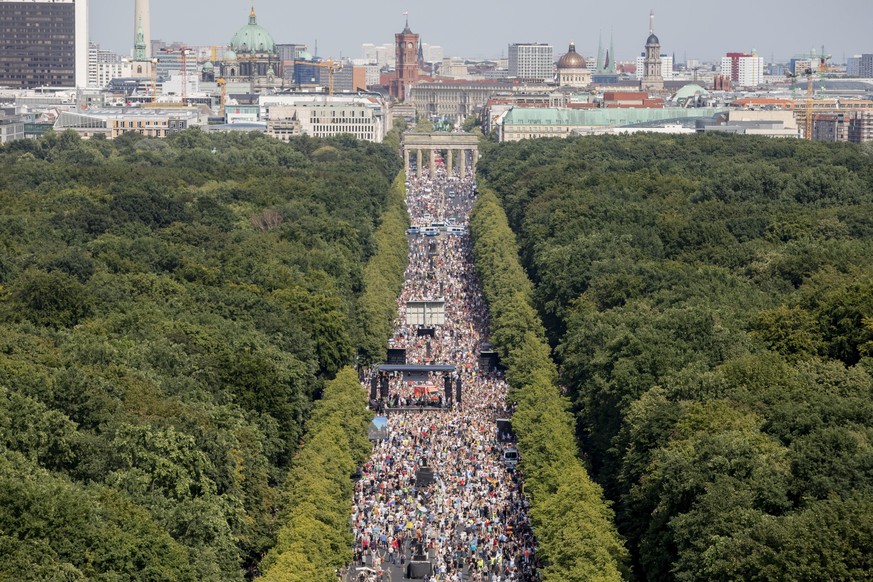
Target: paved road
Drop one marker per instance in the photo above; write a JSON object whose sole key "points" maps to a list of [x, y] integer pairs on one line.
{"points": [[472, 520]]}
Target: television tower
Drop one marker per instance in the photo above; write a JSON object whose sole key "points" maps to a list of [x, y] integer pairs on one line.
{"points": [[142, 20]]}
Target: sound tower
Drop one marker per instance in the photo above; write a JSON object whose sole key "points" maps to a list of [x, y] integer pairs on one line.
{"points": [[373, 383], [447, 382], [383, 387], [418, 570], [457, 391], [423, 477], [396, 356]]}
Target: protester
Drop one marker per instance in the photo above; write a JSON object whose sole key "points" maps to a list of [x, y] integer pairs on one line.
{"points": [[472, 522]]}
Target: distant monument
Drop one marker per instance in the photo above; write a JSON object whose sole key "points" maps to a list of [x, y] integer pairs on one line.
{"points": [[652, 79], [142, 20]]}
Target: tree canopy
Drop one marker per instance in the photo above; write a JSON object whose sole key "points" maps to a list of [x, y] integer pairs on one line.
{"points": [[709, 300], [169, 311], [576, 536]]}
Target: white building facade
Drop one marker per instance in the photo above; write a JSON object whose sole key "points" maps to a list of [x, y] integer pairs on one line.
{"points": [[379, 54], [532, 61], [743, 70], [103, 66], [365, 117]]}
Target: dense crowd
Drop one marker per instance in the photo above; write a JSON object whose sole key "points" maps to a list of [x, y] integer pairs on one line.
{"points": [[471, 522]]}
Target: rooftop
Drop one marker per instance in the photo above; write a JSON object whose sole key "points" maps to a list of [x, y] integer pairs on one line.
{"points": [[602, 117]]}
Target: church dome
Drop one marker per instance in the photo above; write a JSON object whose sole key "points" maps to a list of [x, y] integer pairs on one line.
{"points": [[571, 60], [229, 55], [252, 38], [652, 40]]}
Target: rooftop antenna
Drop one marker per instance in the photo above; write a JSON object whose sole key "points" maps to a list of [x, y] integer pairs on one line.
{"points": [[652, 22]]}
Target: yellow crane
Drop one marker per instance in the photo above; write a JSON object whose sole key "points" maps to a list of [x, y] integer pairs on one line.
{"points": [[823, 67], [331, 66], [809, 103], [222, 83], [154, 80]]}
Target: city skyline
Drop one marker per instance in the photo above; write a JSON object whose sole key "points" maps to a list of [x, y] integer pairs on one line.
{"points": [[484, 30]]}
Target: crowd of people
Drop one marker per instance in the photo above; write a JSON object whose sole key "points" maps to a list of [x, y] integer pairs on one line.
{"points": [[471, 522]]}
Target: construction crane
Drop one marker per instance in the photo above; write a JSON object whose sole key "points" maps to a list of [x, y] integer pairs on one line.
{"points": [[184, 52], [222, 83], [331, 66], [809, 103], [823, 68], [154, 72]]}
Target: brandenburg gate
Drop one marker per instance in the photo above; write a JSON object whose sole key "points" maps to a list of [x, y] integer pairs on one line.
{"points": [[451, 143]]}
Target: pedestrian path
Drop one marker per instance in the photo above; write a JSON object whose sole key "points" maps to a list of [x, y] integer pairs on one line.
{"points": [[471, 522]]}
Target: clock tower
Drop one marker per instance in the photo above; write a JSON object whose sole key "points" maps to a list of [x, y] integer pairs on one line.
{"points": [[406, 62]]}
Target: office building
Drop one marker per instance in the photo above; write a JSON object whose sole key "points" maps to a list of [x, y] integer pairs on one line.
{"points": [[44, 43], [112, 123], [432, 53], [534, 122], [459, 99], [533, 62], [829, 127], [861, 126], [853, 66], [382, 55], [743, 69], [350, 79], [365, 117], [11, 127], [103, 66], [865, 66], [288, 55]]}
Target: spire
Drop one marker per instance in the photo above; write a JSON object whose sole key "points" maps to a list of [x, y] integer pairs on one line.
{"points": [[252, 18], [652, 22], [600, 65], [611, 53], [139, 47]]}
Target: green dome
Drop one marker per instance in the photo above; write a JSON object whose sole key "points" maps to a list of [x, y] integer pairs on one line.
{"points": [[252, 38], [689, 91]]}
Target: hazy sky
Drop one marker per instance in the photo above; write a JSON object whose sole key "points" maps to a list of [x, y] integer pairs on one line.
{"points": [[483, 28]]}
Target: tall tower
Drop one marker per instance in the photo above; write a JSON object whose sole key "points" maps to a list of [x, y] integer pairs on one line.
{"points": [[406, 55], [652, 78], [139, 47], [142, 19]]}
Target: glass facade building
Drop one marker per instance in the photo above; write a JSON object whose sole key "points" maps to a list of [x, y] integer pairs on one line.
{"points": [[43, 44]]}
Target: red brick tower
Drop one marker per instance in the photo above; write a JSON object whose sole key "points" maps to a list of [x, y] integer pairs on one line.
{"points": [[406, 65]]}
